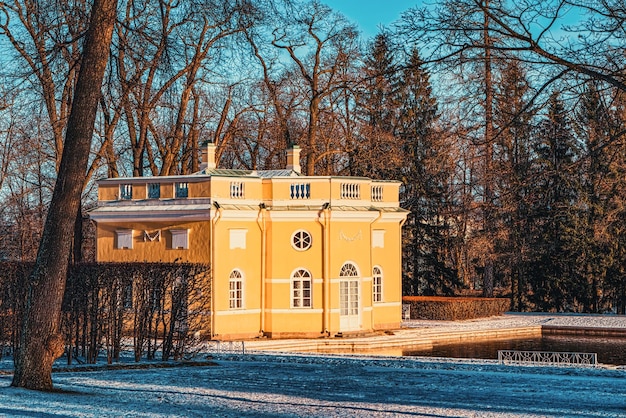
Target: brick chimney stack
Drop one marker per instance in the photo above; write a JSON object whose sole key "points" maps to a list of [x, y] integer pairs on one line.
{"points": [[293, 159], [208, 157]]}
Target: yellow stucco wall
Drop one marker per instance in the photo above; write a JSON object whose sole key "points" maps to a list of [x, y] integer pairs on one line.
{"points": [[108, 192], [201, 189], [387, 313], [244, 321], [283, 260], [153, 251], [222, 187], [267, 259]]}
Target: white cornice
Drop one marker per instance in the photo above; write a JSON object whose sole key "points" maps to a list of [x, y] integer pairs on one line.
{"points": [[238, 312], [305, 311], [155, 216], [387, 304]]}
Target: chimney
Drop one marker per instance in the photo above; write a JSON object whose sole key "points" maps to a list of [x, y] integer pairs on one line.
{"points": [[293, 159], [208, 157]]}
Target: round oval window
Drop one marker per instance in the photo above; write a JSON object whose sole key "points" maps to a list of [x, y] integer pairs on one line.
{"points": [[301, 240]]}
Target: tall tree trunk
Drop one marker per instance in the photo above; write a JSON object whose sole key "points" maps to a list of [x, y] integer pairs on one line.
{"points": [[488, 215], [41, 342]]}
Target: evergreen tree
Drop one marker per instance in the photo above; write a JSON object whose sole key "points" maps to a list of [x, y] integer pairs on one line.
{"points": [[512, 159], [609, 229], [429, 235], [377, 111], [555, 193], [591, 242]]}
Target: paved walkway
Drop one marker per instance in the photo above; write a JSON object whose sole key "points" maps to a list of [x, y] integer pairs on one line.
{"points": [[424, 333]]}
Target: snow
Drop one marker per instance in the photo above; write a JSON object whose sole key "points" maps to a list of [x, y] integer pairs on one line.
{"points": [[518, 320], [311, 385], [328, 386]]}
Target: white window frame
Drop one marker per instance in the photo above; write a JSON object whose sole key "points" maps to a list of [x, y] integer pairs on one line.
{"points": [[349, 269], [301, 240], [124, 239], [349, 280], [235, 289], [301, 289], [377, 284], [180, 239]]}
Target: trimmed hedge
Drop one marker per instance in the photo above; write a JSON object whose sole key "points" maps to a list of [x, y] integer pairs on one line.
{"points": [[455, 308]]}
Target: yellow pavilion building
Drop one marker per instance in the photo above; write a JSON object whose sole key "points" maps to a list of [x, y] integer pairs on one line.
{"points": [[290, 255]]}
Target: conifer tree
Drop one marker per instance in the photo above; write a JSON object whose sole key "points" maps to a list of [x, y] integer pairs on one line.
{"points": [[599, 127], [377, 111], [429, 234], [592, 125], [512, 164], [556, 190]]}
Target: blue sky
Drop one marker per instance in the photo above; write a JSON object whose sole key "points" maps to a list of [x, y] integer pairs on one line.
{"points": [[370, 14]]}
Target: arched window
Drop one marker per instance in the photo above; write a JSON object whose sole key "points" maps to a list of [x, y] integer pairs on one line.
{"points": [[235, 298], [377, 284], [349, 270], [301, 286], [349, 292]]}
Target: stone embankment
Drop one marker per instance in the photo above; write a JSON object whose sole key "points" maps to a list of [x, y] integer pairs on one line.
{"points": [[425, 333]]}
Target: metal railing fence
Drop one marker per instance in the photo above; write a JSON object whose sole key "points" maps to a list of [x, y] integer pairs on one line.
{"points": [[225, 347], [546, 358]]}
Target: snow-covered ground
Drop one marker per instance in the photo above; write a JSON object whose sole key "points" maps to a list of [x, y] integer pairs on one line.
{"points": [[517, 320], [327, 386], [310, 385]]}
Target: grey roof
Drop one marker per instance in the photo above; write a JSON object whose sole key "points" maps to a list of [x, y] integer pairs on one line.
{"points": [[225, 172]]}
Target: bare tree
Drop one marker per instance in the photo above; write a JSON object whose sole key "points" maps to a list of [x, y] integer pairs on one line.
{"points": [[321, 45], [591, 46], [166, 50], [41, 342], [47, 37]]}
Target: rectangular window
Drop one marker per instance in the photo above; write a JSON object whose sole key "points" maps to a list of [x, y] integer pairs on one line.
{"points": [[126, 191], [236, 294], [124, 239], [301, 293], [182, 190], [377, 284], [180, 239], [154, 190], [378, 294]]}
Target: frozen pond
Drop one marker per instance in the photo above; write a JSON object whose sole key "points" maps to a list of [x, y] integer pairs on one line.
{"points": [[609, 350]]}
